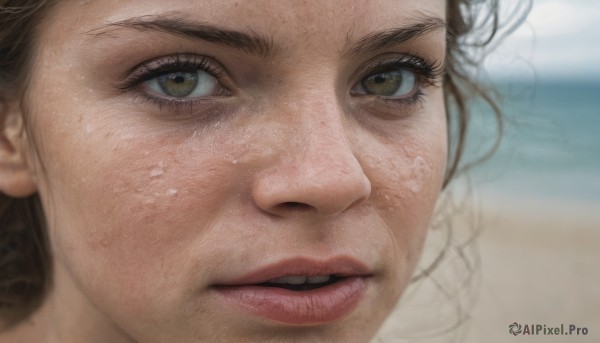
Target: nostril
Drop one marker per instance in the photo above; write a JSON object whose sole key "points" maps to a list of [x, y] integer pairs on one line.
{"points": [[292, 205], [311, 185]]}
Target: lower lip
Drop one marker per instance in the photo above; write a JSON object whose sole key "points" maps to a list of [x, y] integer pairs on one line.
{"points": [[317, 306]]}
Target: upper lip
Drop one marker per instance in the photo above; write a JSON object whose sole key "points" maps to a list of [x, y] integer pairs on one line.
{"points": [[341, 266]]}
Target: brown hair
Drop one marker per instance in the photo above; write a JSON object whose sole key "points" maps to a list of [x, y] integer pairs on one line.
{"points": [[25, 263]]}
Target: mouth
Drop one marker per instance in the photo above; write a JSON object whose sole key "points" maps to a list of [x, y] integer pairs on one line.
{"points": [[299, 291], [302, 283]]}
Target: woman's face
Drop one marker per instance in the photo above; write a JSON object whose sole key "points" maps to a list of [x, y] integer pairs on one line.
{"points": [[236, 170]]}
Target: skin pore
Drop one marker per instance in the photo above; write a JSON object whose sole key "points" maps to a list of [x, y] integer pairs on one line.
{"points": [[153, 199]]}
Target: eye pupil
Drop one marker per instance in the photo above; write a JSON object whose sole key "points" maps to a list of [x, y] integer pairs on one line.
{"points": [[390, 83], [178, 84], [380, 78], [179, 79]]}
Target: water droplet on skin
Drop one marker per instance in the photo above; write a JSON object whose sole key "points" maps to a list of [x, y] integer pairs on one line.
{"points": [[171, 192], [417, 172], [88, 128], [234, 161], [414, 187], [156, 172], [146, 152], [126, 136]]}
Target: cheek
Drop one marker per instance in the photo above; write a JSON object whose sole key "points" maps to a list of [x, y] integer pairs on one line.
{"points": [[407, 175], [129, 207]]}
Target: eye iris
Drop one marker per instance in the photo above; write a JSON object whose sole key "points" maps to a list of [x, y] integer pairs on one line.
{"points": [[179, 84], [386, 84]]}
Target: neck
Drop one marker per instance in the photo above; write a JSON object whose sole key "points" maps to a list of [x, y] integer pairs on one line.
{"points": [[66, 316]]}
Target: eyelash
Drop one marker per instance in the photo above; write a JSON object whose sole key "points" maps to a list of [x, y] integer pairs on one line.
{"points": [[179, 62], [170, 64], [427, 73]]}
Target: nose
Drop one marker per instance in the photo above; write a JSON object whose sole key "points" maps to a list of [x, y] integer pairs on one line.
{"points": [[318, 172]]}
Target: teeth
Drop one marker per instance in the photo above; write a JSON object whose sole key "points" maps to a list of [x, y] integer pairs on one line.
{"points": [[317, 279], [293, 280], [298, 280]]}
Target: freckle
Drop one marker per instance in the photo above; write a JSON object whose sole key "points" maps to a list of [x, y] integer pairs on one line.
{"points": [[171, 192], [103, 242]]}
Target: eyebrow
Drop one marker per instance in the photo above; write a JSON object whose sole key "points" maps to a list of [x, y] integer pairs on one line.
{"points": [[254, 43], [250, 42], [384, 39]]}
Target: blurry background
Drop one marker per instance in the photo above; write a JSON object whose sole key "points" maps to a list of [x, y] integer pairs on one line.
{"points": [[534, 206], [540, 193]]}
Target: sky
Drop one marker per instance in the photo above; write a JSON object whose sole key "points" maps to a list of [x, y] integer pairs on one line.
{"points": [[560, 39]]}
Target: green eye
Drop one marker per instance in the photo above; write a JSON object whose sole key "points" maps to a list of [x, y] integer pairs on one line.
{"points": [[178, 84], [396, 83], [183, 84]]}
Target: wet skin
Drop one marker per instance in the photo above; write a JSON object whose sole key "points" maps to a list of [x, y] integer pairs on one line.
{"points": [[153, 201]]}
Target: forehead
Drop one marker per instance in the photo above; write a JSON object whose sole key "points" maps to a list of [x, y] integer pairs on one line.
{"points": [[307, 20]]}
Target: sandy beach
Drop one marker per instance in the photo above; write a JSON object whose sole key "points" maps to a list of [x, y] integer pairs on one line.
{"points": [[538, 263]]}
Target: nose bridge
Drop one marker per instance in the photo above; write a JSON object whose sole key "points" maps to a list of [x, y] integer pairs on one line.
{"points": [[326, 146], [314, 119], [318, 169], [321, 136]]}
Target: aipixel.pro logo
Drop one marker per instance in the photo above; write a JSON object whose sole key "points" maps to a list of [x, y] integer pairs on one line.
{"points": [[516, 329]]}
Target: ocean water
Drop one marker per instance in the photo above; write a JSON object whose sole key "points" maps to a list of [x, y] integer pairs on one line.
{"points": [[551, 143]]}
